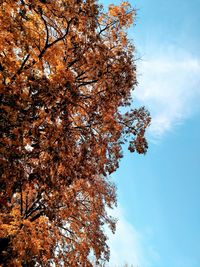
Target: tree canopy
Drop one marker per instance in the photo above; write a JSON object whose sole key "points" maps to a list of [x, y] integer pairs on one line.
{"points": [[67, 72]]}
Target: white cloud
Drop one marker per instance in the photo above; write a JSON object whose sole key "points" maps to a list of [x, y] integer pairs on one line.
{"points": [[127, 245], [169, 86]]}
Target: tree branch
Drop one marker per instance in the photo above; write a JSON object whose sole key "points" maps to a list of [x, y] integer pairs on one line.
{"points": [[55, 41], [87, 83], [21, 68]]}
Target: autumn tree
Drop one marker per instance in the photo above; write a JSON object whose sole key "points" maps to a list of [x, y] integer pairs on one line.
{"points": [[67, 72]]}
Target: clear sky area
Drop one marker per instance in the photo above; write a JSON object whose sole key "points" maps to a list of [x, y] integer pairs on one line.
{"points": [[159, 193]]}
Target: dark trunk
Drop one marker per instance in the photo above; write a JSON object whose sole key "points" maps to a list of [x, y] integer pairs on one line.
{"points": [[5, 251]]}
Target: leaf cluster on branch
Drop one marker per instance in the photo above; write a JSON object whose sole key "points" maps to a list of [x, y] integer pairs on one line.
{"points": [[66, 72]]}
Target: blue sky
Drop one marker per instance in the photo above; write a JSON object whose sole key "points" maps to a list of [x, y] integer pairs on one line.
{"points": [[159, 193]]}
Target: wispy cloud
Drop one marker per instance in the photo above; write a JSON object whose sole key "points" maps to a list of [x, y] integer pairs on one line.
{"points": [[169, 85], [127, 245]]}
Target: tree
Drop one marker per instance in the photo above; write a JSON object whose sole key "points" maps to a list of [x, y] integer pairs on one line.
{"points": [[66, 73]]}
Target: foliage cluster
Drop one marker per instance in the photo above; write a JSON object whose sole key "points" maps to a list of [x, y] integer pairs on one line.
{"points": [[66, 70]]}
